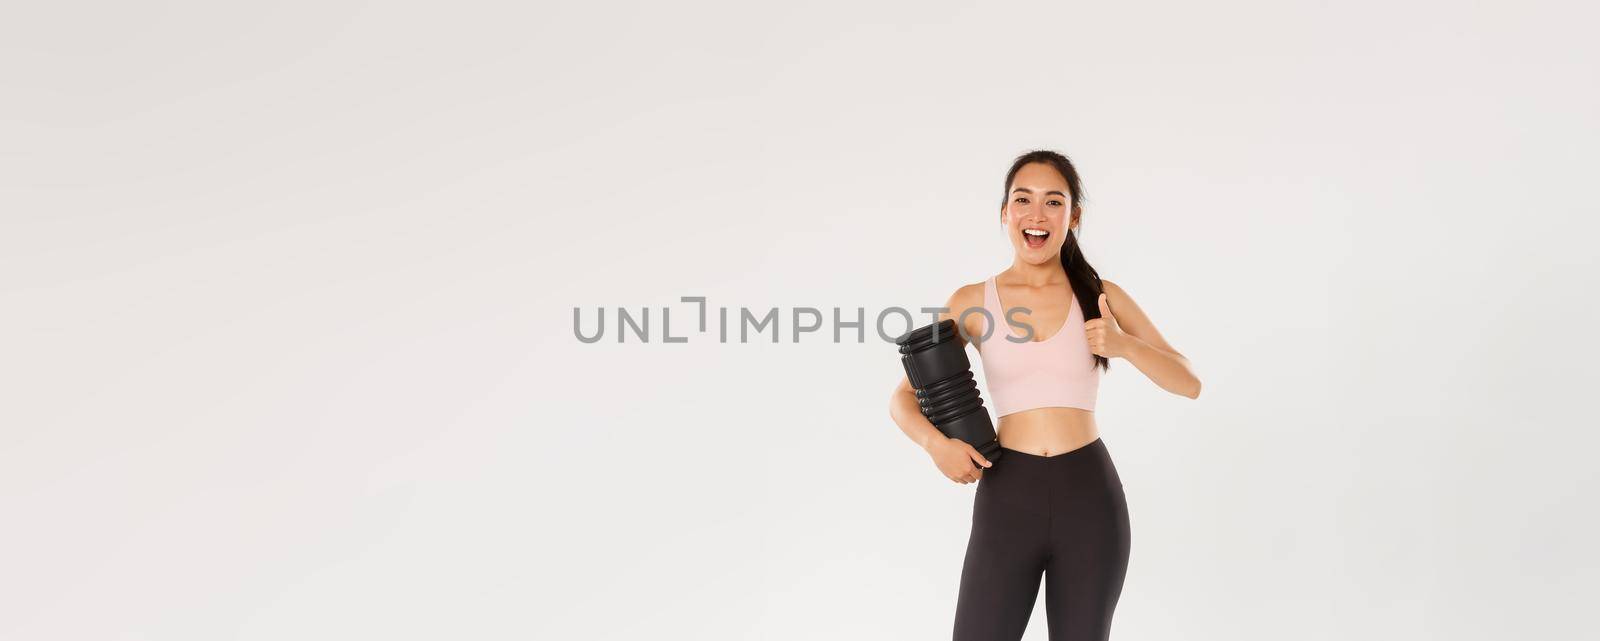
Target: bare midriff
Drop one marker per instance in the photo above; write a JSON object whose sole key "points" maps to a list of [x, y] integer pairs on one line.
{"points": [[1048, 431]]}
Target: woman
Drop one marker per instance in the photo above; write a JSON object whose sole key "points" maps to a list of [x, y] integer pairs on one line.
{"points": [[1052, 503]]}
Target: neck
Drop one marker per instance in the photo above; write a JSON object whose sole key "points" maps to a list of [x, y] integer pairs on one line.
{"points": [[1047, 273]]}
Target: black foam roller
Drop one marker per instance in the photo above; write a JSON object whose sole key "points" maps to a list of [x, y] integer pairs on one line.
{"points": [[947, 394]]}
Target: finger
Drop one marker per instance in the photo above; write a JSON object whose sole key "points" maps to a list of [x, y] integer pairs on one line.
{"points": [[1105, 306], [977, 458]]}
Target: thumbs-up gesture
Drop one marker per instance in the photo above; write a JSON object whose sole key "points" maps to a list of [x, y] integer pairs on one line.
{"points": [[1106, 338]]}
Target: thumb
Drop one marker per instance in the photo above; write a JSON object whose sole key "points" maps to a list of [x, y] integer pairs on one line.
{"points": [[1105, 306]]}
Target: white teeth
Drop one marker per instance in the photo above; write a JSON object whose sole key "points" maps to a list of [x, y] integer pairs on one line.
{"points": [[1035, 232]]}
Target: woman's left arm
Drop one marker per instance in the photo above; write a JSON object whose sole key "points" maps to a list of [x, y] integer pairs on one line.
{"points": [[1128, 333]]}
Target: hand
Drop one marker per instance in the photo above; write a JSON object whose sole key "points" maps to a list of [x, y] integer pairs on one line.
{"points": [[957, 460], [1106, 338]]}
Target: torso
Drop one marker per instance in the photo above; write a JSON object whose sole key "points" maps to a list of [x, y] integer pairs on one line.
{"points": [[1044, 431], [1048, 431]]}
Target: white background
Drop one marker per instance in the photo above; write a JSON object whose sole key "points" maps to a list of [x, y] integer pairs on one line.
{"points": [[287, 294]]}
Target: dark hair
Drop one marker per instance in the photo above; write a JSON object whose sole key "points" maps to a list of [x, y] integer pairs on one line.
{"points": [[1085, 280]]}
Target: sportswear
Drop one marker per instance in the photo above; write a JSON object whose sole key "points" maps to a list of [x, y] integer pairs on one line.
{"points": [[1056, 372], [1064, 517]]}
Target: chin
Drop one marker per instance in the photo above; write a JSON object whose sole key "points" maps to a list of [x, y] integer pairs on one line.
{"points": [[1036, 256]]}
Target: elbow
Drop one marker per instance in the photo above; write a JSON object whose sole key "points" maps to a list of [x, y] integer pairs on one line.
{"points": [[897, 401], [1189, 388]]}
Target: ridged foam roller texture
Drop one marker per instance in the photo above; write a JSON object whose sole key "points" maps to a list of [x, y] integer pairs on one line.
{"points": [[938, 369]]}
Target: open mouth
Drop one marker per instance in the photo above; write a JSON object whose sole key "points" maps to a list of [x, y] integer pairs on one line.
{"points": [[1035, 238]]}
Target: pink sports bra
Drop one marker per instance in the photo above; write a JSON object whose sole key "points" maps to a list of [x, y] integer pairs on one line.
{"points": [[1056, 372]]}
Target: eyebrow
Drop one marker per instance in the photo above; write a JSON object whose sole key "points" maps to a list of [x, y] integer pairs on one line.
{"points": [[1045, 193]]}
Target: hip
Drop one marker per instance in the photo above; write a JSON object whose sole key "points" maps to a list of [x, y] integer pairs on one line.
{"points": [[1087, 473]]}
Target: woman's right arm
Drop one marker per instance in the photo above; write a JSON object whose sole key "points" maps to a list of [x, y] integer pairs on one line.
{"points": [[955, 458]]}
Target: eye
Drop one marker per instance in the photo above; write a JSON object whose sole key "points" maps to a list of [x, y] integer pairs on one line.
{"points": [[1021, 199], [1056, 203]]}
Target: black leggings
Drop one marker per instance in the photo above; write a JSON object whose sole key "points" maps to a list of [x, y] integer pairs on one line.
{"points": [[1064, 516]]}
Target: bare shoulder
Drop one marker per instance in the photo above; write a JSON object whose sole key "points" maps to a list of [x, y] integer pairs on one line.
{"points": [[1114, 291], [1131, 318], [966, 297], [1118, 298]]}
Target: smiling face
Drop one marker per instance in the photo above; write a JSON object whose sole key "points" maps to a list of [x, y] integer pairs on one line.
{"points": [[1038, 213]]}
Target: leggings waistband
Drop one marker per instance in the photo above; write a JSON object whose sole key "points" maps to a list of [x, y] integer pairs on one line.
{"points": [[1090, 465], [1096, 445]]}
